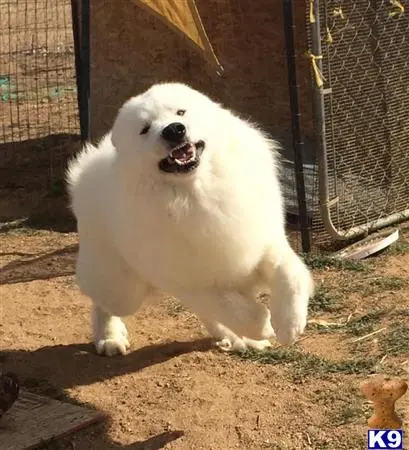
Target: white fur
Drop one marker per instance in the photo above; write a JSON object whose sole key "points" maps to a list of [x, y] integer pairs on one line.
{"points": [[212, 238]]}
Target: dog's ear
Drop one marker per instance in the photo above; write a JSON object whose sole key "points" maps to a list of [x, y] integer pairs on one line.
{"points": [[125, 130], [120, 130]]}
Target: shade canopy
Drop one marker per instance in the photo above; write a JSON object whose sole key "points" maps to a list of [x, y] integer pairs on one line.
{"points": [[183, 16]]}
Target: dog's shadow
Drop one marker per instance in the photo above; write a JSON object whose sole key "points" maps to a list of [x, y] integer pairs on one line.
{"points": [[52, 370], [72, 365], [156, 442]]}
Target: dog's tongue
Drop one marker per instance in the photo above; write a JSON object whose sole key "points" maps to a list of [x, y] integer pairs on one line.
{"points": [[183, 153]]}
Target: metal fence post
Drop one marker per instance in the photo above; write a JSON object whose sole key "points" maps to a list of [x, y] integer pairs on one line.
{"points": [[81, 33], [85, 69], [298, 144]]}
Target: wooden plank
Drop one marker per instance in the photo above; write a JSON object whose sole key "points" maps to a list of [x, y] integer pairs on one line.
{"points": [[34, 420]]}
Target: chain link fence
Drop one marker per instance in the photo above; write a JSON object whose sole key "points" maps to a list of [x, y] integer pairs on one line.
{"points": [[356, 172], [38, 102], [360, 64]]}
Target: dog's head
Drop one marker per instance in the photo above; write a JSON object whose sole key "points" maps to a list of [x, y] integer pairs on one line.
{"points": [[168, 129]]}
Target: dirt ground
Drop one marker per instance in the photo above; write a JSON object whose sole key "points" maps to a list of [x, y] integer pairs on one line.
{"points": [[174, 390]]}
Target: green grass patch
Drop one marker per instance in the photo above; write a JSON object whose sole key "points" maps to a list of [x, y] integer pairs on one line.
{"points": [[348, 413], [400, 247], [323, 301], [396, 342], [364, 324], [304, 364], [349, 405], [388, 283], [324, 328], [320, 262], [401, 313], [372, 286]]}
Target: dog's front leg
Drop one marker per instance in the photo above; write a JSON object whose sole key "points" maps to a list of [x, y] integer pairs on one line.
{"points": [[110, 333], [291, 285]]}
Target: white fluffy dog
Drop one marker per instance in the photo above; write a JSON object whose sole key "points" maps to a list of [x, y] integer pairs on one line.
{"points": [[183, 197]]}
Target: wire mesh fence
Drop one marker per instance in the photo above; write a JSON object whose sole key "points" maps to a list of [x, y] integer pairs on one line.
{"points": [[362, 110], [249, 41], [361, 146], [38, 98]]}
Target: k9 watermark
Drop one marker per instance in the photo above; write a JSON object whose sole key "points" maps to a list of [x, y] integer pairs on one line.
{"points": [[384, 439]]}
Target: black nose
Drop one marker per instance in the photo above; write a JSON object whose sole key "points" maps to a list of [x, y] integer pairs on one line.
{"points": [[174, 132]]}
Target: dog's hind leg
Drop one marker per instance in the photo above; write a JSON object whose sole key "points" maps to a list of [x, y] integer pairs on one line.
{"points": [[239, 313], [227, 341]]}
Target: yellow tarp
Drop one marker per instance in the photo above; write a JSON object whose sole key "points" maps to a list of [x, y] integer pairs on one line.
{"points": [[183, 16]]}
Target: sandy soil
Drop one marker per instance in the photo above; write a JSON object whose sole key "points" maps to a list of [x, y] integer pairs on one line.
{"points": [[174, 390]]}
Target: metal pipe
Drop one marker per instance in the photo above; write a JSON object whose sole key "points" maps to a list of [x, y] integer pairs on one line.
{"points": [[75, 15], [298, 144], [85, 81], [319, 125]]}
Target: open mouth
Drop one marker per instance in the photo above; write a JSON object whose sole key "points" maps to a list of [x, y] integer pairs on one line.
{"points": [[182, 158]]}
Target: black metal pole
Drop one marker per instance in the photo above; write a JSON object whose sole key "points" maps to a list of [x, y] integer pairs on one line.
{"points": [[298, 144], [85, 74], [75, 14]]}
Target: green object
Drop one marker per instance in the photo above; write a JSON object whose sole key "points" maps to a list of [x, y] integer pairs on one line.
{"points": [[4, 81]]}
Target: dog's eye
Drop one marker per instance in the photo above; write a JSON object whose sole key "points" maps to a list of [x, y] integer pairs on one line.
{"points": [[181, 112], [145, 129]]}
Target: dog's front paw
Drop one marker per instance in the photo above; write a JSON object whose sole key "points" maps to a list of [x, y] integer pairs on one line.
{"points": [[112, 347], [114, 340], [288, 334], [289, 314], [267, 330]]}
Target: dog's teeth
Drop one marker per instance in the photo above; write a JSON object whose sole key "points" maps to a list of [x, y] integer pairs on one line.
{"points": [[190, 155], [178, 147]]}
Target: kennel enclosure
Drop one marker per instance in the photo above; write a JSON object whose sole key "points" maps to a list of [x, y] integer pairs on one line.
{"points": [[341, 114]]}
